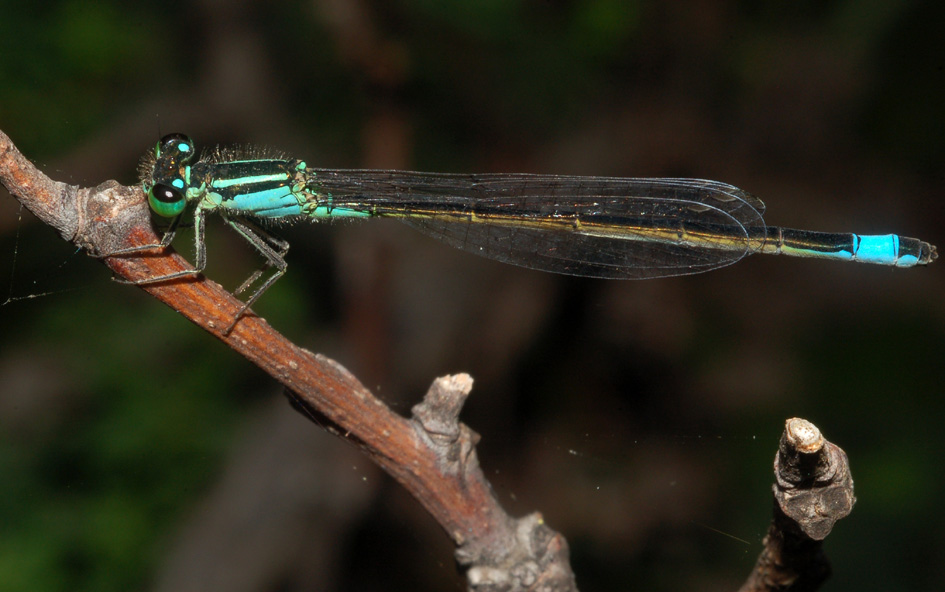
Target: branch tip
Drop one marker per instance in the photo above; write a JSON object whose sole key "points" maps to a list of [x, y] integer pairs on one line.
{"points": [[438, 414], [813, 489], [803, 435]]}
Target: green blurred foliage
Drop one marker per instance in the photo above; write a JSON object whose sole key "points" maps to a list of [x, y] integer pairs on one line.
{"points": [[66, 66]]}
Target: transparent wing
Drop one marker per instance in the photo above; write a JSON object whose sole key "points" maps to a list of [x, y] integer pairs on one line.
{"points": [[607, 227]]}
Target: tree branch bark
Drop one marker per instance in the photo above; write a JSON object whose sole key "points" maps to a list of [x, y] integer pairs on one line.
{"points": [[431, 454], [813, 489]]}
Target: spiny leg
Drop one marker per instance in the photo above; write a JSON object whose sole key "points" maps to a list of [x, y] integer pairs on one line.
{"points": [[165, 242], [272, 248], [199, 248]]}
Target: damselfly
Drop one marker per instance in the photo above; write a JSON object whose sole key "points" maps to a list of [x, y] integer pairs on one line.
{"points": [[604, 227]]}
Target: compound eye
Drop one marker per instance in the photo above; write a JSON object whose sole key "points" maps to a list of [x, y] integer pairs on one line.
{"points": [[166, 201], [178, 146]]}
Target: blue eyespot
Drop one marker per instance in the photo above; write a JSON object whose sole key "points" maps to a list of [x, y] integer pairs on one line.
{"points": [[178, 146]]}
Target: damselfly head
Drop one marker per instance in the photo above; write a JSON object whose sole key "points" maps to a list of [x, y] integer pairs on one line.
{"points": [[164, 174]]}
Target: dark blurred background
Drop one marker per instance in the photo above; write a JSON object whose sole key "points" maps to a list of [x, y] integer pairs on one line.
{"points": [[641, 418]]}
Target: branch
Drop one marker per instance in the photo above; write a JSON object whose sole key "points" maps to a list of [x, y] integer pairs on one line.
{"points": [[431, 454], [813, 490]]}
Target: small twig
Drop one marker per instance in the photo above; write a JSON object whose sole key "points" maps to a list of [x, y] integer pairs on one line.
{"points": [[813, 490], [432, 455]]}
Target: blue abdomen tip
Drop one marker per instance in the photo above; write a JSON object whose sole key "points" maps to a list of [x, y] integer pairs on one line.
{"points": [[881, 248]]}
